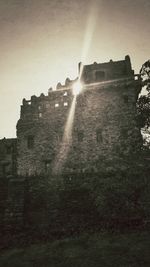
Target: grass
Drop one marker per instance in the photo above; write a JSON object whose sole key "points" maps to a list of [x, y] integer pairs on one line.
{"points": [[95, 250]]}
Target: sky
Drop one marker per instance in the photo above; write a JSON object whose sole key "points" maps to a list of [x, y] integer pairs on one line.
{"points": [[42, 42]]}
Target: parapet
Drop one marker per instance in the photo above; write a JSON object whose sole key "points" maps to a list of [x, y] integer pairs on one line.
{"points": [[108, 74], [98, 72], [52, 93]]}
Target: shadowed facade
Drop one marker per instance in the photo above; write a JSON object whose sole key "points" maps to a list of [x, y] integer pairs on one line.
{"points": [[63, 133]]}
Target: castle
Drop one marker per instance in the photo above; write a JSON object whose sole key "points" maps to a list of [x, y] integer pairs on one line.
{"points": [[64, 132], [103, 119]]}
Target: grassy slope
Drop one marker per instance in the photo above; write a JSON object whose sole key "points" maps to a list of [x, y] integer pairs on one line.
{"points": [[103, 249]]}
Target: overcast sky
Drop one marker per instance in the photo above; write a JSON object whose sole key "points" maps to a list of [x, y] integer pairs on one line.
{"points": [[42, 42]]}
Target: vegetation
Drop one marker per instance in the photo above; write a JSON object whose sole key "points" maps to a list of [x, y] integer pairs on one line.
{"points": [[143, 104], [103, 215], [99, 249]]}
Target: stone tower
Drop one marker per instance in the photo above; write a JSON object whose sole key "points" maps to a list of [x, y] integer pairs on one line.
{"points": [[62, 133]]}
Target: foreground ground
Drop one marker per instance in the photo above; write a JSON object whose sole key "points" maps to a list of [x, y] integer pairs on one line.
{"points": [[88, 250]]}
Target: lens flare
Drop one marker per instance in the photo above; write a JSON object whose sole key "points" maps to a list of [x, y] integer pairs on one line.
{"points": [[77, 87]]}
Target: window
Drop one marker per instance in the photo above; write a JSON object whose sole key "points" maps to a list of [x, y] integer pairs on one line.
{"points": [[125, 98], [124, 133], [65, 104], [99, 75], [8, 150], [4, 170], [65, 93], [30, 141], [99, 136], [47, 165], [80, 136], [40, 115], [56, 105]]}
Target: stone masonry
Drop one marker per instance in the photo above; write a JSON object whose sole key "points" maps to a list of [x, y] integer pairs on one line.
{"points": [[63, 134], [103, 121], [8, 157]]}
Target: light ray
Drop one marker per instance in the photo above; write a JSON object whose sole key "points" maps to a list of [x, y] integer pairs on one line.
{"points": [[66, 141], [91, 23], [107, 82], [77, 87], [67, 137]]}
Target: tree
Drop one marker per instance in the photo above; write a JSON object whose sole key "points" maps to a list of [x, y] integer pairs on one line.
{"points": [[145, 74], [143, 104]]}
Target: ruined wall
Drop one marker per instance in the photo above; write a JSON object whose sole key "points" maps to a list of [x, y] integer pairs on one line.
{"points": [[103, 122], [67, 137], [8, 156]]}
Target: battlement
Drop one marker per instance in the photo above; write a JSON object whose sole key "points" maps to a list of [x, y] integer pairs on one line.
{"points": [[99, 120], [64, 134], [104, 73], [61, 98], [36, 107], [98, 72]]}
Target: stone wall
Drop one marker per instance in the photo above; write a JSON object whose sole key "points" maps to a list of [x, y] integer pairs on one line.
{"points": [[106, 71], [106, 115], [65, 139], [3, 201], [63, 133], [8, 157], [14, 210]]}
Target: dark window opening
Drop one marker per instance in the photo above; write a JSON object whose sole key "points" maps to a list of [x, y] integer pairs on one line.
{"points": [[99, 75], [124, 133], [126, 99], [80, 136], [99, 136], [8, 150], [4, 170], [30, 142]]}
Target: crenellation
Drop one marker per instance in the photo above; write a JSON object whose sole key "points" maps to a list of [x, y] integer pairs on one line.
{"points": [[77, 130], [98, 72], [49, 91], [104, 119]]}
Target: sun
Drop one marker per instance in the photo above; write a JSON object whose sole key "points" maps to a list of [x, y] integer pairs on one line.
{"points": [[77, 88]]}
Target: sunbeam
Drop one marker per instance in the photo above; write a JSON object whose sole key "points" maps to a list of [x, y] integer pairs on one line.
{"points": [[66, 141], [77, 87], [91, 23]]}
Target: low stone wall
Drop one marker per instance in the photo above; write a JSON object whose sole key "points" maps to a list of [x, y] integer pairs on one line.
{"points": [[54, 205], [3, 200], [14, 212]]}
